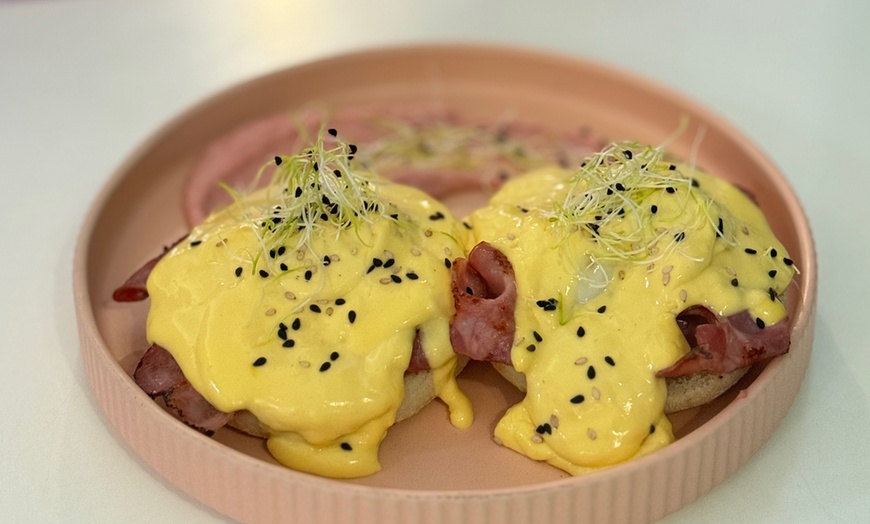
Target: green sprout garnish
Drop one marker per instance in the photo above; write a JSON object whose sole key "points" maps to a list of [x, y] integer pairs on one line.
{"points": [[607, 196], [314, 190]]}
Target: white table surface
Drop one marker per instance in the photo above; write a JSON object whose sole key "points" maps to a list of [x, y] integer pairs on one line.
{"points": [[83, 82]]}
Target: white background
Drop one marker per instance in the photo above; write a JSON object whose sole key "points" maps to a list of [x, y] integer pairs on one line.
{"points": [[82, 83]]}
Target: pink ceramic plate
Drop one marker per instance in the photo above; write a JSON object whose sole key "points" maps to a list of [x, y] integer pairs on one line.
{"points": [[432, 472]]}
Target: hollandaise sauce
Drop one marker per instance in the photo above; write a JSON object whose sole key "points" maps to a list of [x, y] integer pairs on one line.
{"points": [[301, 303], [605, 258]]}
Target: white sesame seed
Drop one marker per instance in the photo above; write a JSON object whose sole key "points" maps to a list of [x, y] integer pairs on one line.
{"points": [[596, 394], [386, 280], [683, 295], [745, 230], [537, 439], [554, 421], [666, 278], [621, 275], [511, 236], [447, 251], [667, 269], [591, 433], [334, 257], [300, 254], [580, 361], [389, 254], [289, 295], [271, 311], [731, 271], [329, 311], [304, 363], [415, 251], [428, 232]]}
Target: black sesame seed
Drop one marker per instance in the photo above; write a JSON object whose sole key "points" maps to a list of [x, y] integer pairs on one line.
{"points": [[325, 366], [238, 271], [609, 360], [283, 266], [609, 191], [394, 216], [467, 225], [531, 348], [652, 429], [734, 282], [351, 316], [282, 325], [281, 250], [720, 229], [389, 263], [772, 253], [334, 355], [296, 324], [627, 154], [332, 131], [695, 183], [263, 273], [750, 251], [590, 372], [772, 293], [352, 148], [282, 334], [339, 301], [308, 274], [411, 275], [278, 160], [298, 192], [577, 399], [315, 308], [195, 243], [670, 190], [271, 253], [324, 217], [316, 167], [772, 273], [436, 216], [396, 278], [679, 237], [787, 261], [469, 291], [347, 447], [654, 209], [537, 336], [672, 167], [602, 309], [370, 269], [337, 173], [447, 263], [326, 260], [759, 323], [580, 331], [377, 262], [289, 343], [620, 187], [260, 361]]}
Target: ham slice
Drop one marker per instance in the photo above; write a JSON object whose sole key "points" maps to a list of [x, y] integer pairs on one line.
{"points": [[724, 344], [159, 376], [134, 289], [485, 295]]}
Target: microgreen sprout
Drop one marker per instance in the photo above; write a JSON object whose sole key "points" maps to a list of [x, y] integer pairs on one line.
{"points": [[607, 199], [314, 190]]}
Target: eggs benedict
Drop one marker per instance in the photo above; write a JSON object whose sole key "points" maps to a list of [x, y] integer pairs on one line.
{"points": [[607, 288], [298, 311]]}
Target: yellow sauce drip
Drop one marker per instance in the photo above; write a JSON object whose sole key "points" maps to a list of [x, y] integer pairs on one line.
{"points": [[593, 399], [328, 400]]}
